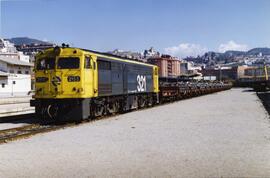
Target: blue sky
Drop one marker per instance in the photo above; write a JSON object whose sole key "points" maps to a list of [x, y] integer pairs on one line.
{"points": [[178, 27]]}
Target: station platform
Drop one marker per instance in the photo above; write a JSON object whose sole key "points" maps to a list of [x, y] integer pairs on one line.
{"points": [[14, 100], [225, 134], [13, 106]]}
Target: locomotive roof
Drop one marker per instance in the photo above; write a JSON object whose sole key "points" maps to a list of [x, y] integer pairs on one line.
{"points": [[108, 55], [117, 57]]}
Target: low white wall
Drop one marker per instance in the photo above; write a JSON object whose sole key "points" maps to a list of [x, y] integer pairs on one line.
{"points": [[16, 85]]}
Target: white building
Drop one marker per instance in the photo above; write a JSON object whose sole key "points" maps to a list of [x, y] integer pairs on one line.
{"points": [[189, 68], [15, 72], [7, 47], [151, 53]]}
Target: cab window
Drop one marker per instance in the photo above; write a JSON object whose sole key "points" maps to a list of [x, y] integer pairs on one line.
{"points": [[68, 63], [45, 63], [87, 62]]}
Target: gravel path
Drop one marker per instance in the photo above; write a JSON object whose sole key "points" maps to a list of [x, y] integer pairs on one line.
{"points": [[226, 134]]}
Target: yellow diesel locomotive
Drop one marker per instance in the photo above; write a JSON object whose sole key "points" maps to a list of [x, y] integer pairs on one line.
{"points": [[75, 84]]}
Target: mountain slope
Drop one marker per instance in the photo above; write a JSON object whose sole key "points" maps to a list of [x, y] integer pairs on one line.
{"points": [[26, 40], [255, 51]]}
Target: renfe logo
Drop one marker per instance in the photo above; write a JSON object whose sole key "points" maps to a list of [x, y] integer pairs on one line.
{"points": [[141, 83]]}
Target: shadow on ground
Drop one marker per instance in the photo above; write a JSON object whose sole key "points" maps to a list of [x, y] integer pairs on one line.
{"points": [[265, 98], [20, 119], [248, 90]]}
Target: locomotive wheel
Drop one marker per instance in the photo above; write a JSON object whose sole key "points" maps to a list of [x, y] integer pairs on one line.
{"points": [[142, 102], [52, 111], [113, 107], [99, 110], [150, 101], [117, 106]]}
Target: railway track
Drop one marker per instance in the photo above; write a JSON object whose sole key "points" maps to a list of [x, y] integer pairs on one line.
{"points": [[27, 131], [11, 134]]}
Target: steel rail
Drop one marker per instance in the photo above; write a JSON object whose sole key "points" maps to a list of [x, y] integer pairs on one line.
{"points": [[11, 134]]}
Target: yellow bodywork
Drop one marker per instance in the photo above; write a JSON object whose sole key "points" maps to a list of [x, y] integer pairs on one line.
{"points": [[155, 79], [86, 87], [266, 72]]}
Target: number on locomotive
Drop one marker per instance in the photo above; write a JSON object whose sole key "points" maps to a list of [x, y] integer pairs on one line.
{"points": [[73, 78], [141, 83]]}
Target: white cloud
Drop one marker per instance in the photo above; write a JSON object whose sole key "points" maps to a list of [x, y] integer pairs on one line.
{"points": [[186, 49], [231, 45]]}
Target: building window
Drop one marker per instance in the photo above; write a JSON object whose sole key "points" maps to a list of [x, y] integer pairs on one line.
{"points": [[26, 72], [19, 72], [3, 85], [13, 82], [11, 71]]}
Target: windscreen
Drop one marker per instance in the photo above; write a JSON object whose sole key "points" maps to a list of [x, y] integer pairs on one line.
{"points": [[68, 63], [45, 64]]}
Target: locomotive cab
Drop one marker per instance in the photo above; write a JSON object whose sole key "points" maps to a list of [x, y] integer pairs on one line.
{"points": [[65, 74]]}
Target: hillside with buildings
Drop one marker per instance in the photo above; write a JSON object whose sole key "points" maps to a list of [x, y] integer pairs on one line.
{"points": [[230, 65], [255, 56], [29, 46]]}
